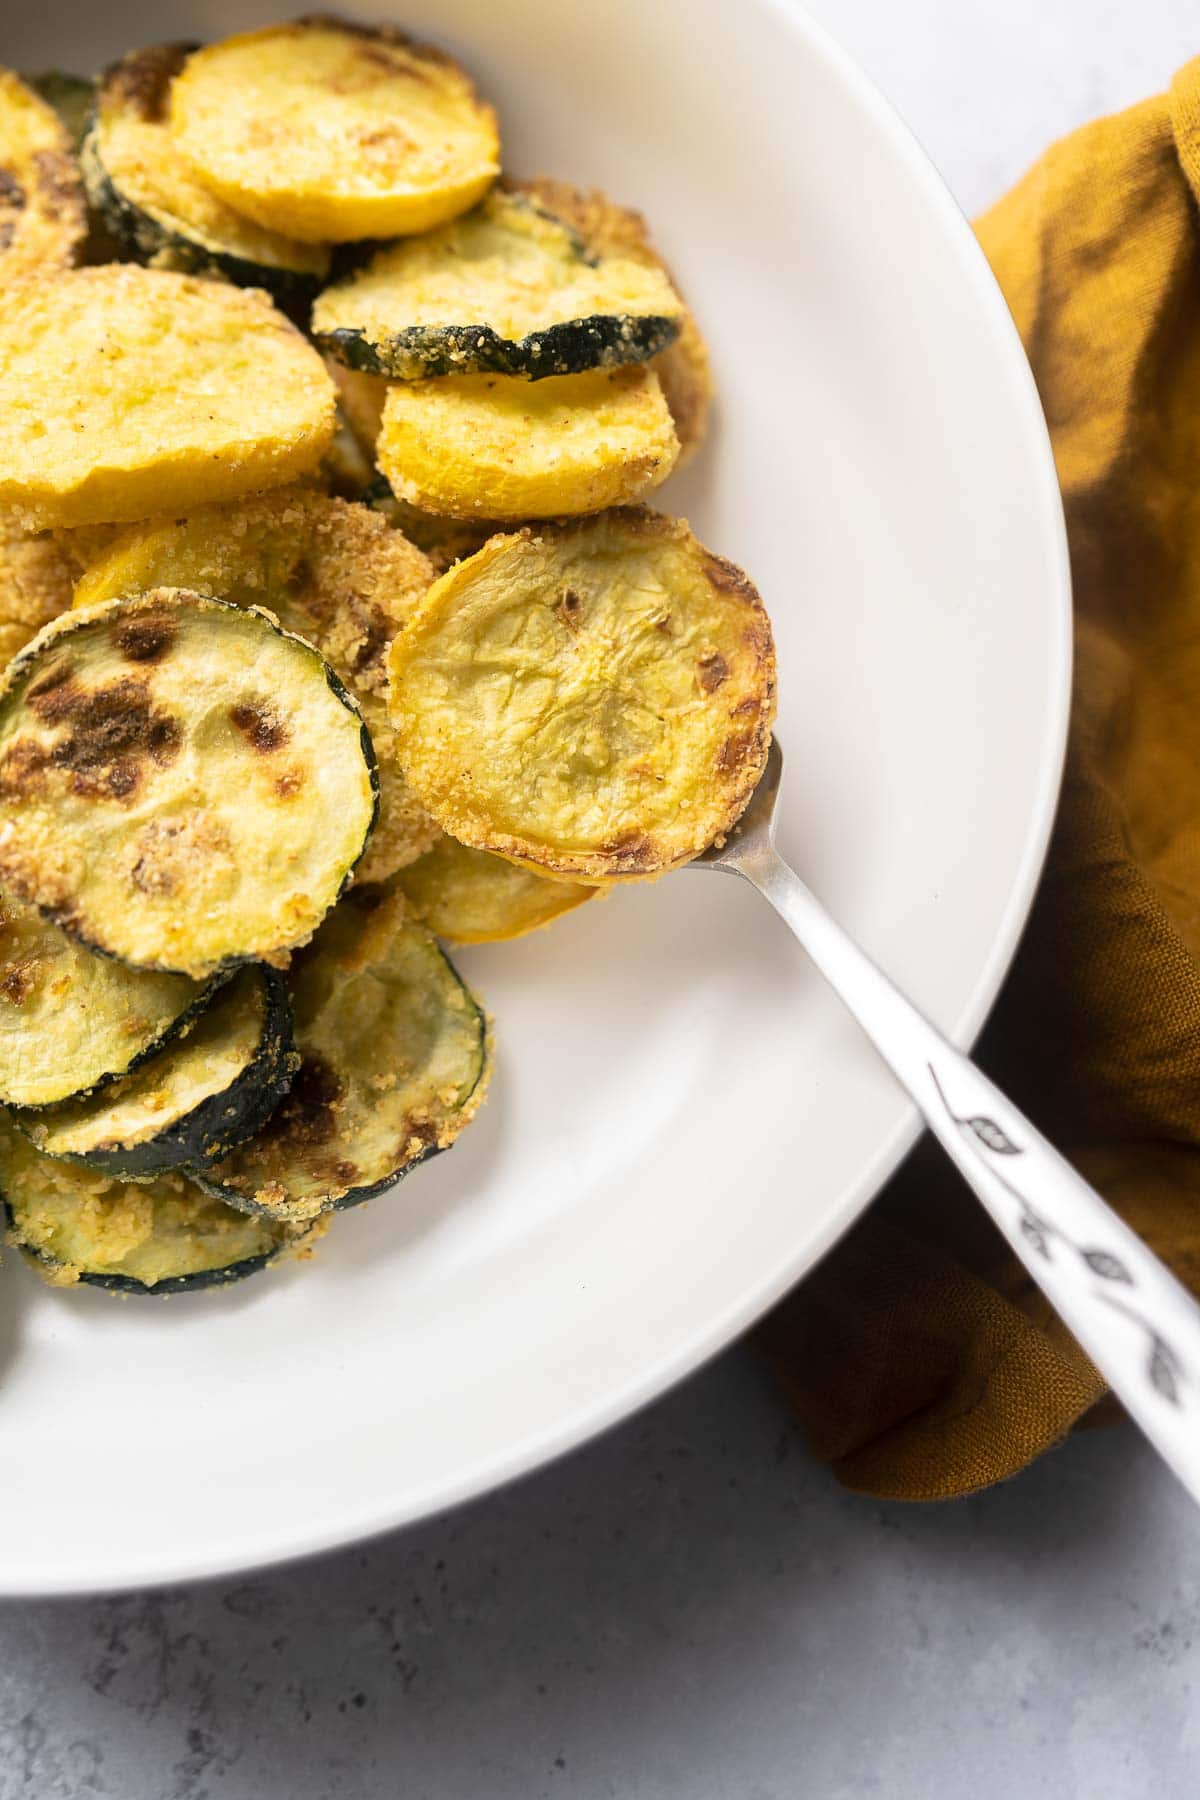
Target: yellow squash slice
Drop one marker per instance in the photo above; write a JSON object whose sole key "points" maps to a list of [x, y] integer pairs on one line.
{"points": [[35, 584], [609, 230], [327, 131], [499, 447], [43, 220], [469, 897], [147, 193], [330, 570], [183, 784], [126, 392], [590, 699]]}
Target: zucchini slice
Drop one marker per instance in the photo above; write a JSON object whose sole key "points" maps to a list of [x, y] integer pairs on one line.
{"points": [[183, 784], [35, 584], [497, 447], [329, 131], [125, 392], [213, 1086], [394, 1063], [507, 289], [157, 1237], [148, 196], [331, 571], [70, 96], [683, 367], [43, 220], [591, 699], [470, 897], [71, 1021]]}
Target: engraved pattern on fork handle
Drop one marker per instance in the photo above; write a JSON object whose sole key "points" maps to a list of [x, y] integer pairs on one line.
{"points": [[1165, 1366], [1132, 1317]]}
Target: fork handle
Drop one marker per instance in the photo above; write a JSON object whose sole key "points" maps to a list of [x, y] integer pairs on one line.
{"points": [[1140, 1327]]}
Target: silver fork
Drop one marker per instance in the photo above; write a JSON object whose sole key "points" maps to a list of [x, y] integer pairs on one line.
{"points": [[1137, 1323]]}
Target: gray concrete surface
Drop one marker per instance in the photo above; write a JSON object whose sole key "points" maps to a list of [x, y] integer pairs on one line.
{"points": [[690, 1609]]}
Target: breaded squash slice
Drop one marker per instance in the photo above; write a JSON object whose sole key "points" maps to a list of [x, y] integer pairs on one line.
{"points": [[498, 447], [328, 131], [43, 220], [162, 1236], [507, 289], [147, 193], [470, 897], [126, 392], [593, 699], [183, 784], [330, 570], [36, 582], [683, 367]]}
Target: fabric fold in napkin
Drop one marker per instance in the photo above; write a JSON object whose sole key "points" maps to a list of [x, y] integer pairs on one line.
{"points": [[921, 1360]]}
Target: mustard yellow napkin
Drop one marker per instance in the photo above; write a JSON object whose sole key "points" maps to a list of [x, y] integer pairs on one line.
{"points": [[920, 1358]]}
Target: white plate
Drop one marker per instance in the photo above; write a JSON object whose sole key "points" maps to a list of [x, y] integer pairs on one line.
{"points": [[682, 1120]]}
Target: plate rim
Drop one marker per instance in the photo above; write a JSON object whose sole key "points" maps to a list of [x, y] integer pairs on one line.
{"points": [[547, 1444]]}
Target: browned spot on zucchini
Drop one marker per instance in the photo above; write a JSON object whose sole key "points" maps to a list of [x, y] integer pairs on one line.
{"points": [[307, 1116], [711, 671], [289, 782], [143, 82], [12, 194], [55, 178], [146, 639], [112, 729], [262, 728]]}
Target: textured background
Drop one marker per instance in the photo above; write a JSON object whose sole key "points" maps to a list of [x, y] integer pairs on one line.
{"points": [[690, 1610]]}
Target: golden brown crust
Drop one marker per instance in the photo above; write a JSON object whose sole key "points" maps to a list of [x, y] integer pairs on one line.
{"points": [[592, 699]]}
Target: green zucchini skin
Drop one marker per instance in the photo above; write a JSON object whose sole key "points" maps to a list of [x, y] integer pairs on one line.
{"points": [[346, 1134], [407, 335], [173, 1284], [151, 240], [570, 348], [147, 241], [205, 1132]]}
